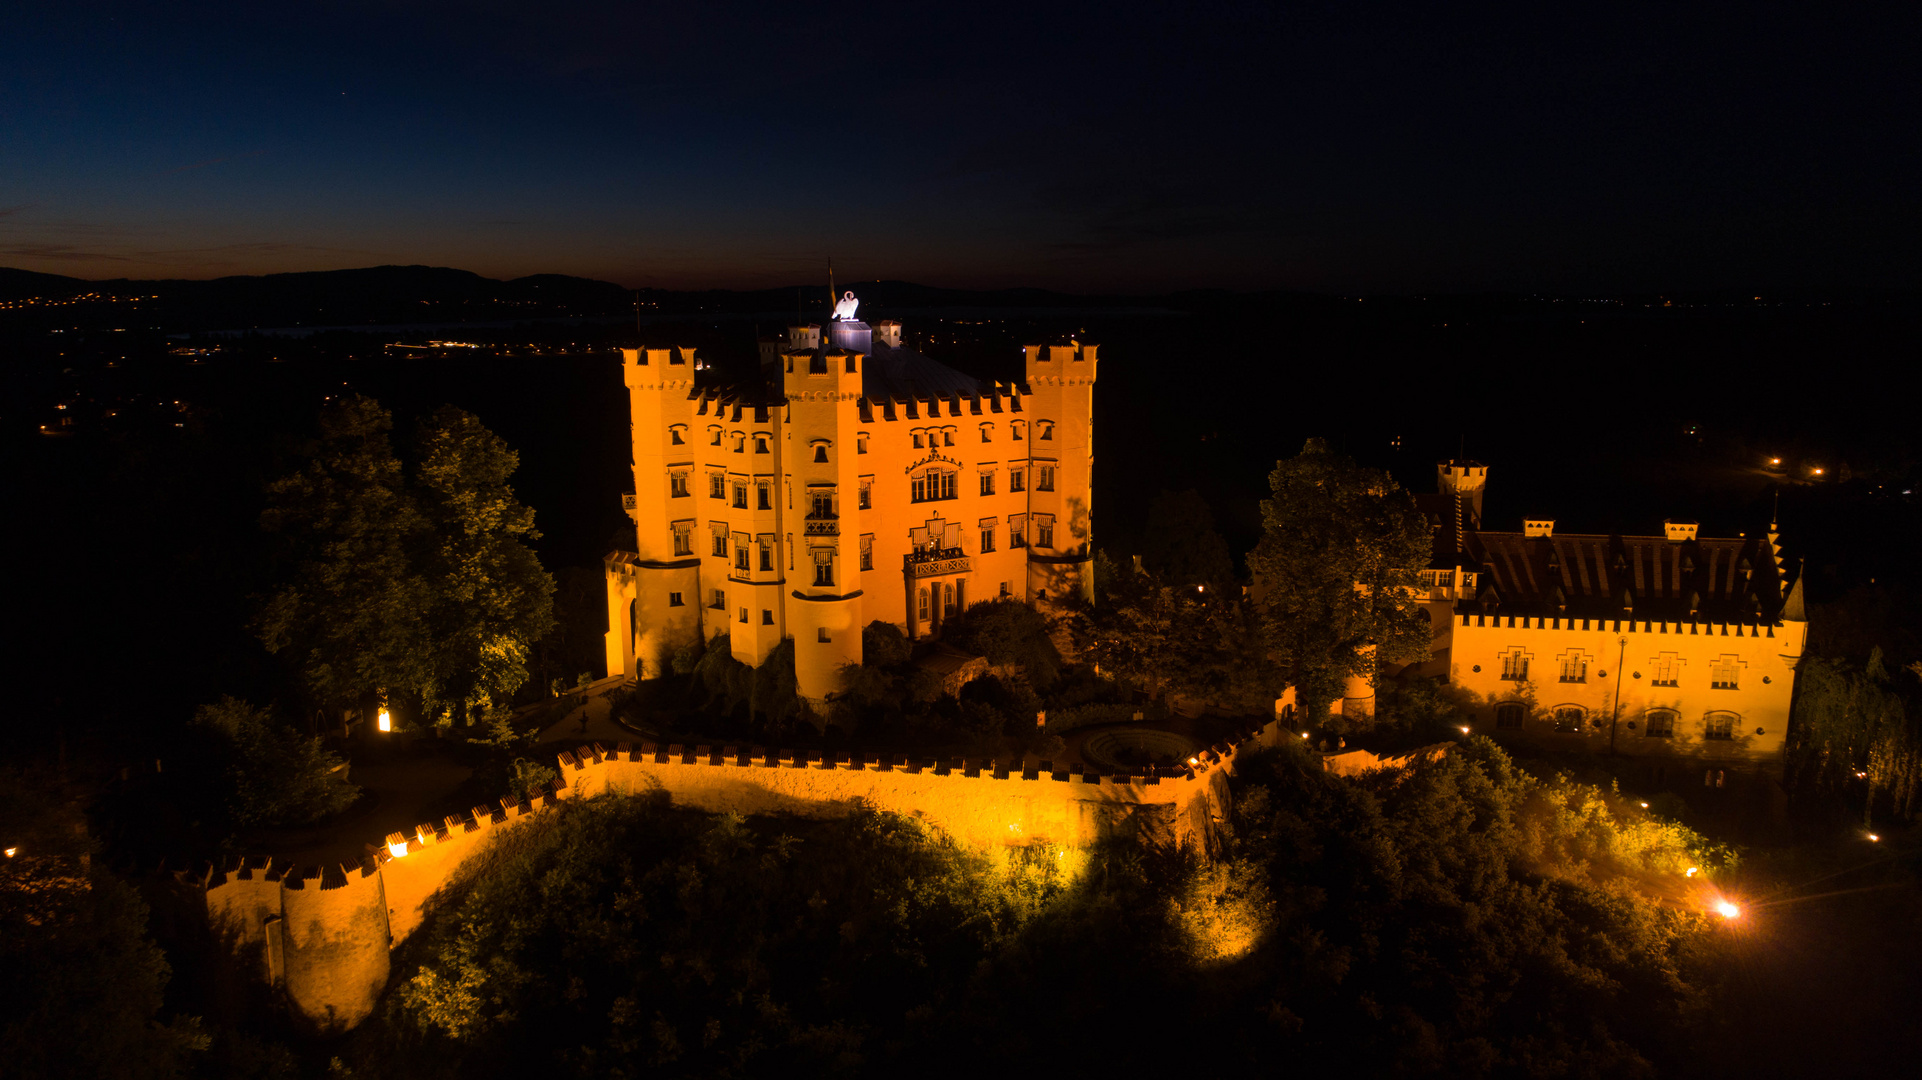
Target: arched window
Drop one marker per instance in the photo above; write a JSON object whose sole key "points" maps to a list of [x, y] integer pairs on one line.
{"points": [[1658, 724], [1568, 718], [1510, 714], [1719, 725], [921, 604]]}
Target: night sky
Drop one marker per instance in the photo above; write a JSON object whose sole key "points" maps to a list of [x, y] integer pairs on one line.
{"points": [[1557, 148]]}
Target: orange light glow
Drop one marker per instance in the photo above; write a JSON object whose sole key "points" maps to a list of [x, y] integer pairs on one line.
{"points": [[10, 851], [1872, 837], [1728, 909], [1464, 729], [397, 850], [385, 721], [1692, 871]]}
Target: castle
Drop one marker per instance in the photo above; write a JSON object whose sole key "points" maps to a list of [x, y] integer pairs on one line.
{"points": [[857, 480], [1677, 649]]}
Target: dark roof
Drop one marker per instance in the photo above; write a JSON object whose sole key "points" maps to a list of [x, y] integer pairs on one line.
{"points": [[1590, 576], [905, 375]]}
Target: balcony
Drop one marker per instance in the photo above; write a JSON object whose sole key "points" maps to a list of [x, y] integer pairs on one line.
{"points": [[933, 561], [821, 527]]}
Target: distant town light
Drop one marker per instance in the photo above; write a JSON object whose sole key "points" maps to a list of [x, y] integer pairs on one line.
{"points": [[10, 851], [1464, 729], [1873, 837], [1304, 734], [1644, 806], [1775, 461]]}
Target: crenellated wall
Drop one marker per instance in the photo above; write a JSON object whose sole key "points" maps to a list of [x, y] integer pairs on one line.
{"points": [[324, 934]]}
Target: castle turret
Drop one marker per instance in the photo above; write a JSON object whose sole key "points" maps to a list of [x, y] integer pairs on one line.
{"points": [[1060, 464], [1464, 483], [820, 477], [649, 591]]}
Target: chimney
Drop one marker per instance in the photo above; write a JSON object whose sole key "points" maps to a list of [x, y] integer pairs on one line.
{"points": [[888, 332], [1679, 531], [1542, 527]]}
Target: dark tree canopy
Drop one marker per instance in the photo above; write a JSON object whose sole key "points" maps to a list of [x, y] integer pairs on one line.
{"points": [[275, 774], [1336, 569], [1182, 547]]}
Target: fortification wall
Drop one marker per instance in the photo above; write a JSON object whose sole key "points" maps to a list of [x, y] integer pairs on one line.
{"points": [[324, 934]]}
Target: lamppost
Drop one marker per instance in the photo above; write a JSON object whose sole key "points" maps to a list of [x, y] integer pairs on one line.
{"points": [[1615, 712]]}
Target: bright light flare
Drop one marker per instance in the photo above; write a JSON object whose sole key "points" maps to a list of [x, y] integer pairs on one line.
{"points": [[398, 850], [1873, 838], [1644, 806], [1728, 909], [385, 720], [1304, 734], [1464, 730], [1775, 461], [1692, 871], [11, 851]]}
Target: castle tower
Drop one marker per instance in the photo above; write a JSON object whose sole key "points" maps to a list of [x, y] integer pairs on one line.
{"points": [[820, 478], [1060, 461], [653, 594], [1464, 482]]}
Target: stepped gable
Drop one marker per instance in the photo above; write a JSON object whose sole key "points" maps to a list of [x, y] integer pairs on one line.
{"points": [[1650, 578]]}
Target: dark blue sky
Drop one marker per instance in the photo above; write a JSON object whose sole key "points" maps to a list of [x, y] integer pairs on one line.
{"points": [[1557, 147]]}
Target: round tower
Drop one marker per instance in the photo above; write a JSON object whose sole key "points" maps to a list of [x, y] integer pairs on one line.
{"points": [[334, 926]]}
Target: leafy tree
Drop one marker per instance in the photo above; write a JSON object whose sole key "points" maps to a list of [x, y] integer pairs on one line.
{"points": [[1007, 632], [1336, 571], [83, 988], [1858, 730], [351, 611], [1200, 643], [490, 597], [277, 775]]}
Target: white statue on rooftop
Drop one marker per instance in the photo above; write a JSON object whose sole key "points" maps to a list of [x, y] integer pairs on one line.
{"points": [[844, 307]]}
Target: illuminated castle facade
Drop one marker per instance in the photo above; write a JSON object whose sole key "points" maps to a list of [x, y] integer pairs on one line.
{"points": [[858, 480], [1674, 647]]}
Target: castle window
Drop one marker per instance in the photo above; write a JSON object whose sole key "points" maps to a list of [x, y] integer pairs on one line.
{"points": [[1017, 530], [918, 444], [987, 432], [821, 504], [866, 494], [1575, 667], [1017, 478], [767, 617], [683, 538], [674, 600], [987, 481], [861, 443], [1568, 718], [1515, 666], [1668, 670], [720, 544], [677, 485], [1046, 429], [821, 454], [1658, 724], [921, 605], [740, 441], [1044, 530], [740, 496], [760, 443], [933, 485], [714, 438], [1006, 591], [674, 435], [716, 485], [823, 567], [1725, 673], [821, 633], [1015, 430], [767, 555], [947, 437], [1044, 478], [1510, 714], [719, 600], [867, 552], [740, 556], [987, 536], [743, 616], [1718, 725]]}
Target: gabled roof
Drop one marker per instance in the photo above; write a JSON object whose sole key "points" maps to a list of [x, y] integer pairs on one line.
{"points": [[1596, 576]]}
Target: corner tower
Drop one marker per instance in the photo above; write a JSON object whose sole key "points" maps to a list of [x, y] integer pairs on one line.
{"points": [[1060, 465], [653, 592], [820, 481]]}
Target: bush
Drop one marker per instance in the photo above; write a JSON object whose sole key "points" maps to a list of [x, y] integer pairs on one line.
{"points": [[276, 775]]}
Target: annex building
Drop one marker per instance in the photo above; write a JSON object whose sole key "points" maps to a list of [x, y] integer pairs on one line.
{"points": [[856, 480], [1677, 648]]}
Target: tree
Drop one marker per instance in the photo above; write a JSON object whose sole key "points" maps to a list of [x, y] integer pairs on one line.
{"points": [[278, 776], [1336, 571], [490, 597], [351, 609], [1200, 643]]}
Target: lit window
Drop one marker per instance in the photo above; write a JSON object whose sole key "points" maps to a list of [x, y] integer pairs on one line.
{"points": [[867, 495], [1568, 718], [1044, 478], [1658, 724], [867, 552], [1725, 674], [1667, 670], [1515, 666], [1718, 725], [933, 485], [1509, 714], [823, 568]]}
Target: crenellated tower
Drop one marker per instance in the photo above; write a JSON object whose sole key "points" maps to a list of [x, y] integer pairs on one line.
{"points": [[1060, 466], [820, 480], [653, 589]]}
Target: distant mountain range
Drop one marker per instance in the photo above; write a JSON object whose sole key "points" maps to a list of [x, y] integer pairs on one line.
{"points": [[388, 295]]}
